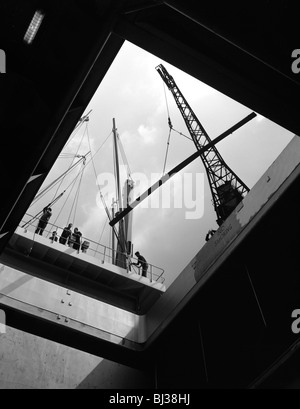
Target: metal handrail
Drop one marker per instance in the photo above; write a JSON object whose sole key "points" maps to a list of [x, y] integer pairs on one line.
{"points": [[105, 253]]}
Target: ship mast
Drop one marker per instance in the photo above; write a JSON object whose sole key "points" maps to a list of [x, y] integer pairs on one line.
{"points": [[124, 245]]}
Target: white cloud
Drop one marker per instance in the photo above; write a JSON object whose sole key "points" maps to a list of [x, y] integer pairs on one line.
{"points": [[148, 134]]}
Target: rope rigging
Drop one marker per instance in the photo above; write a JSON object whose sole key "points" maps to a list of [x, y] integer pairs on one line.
{"points": [[82, 158], [81, 121], [75, 204], [38, 214], [55, 200], [61, 178], [76, 155], [101, 235], [52, 184], [124, 158], [75, 184], [80, 173], [100, 192], [65, 155]]}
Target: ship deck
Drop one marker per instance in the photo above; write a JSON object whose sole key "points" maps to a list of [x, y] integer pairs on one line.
{"points": [[87, 273]]}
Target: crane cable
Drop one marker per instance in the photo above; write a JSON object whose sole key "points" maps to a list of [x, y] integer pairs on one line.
{"points": [[180, 133], [170, 130], [167, 151]]}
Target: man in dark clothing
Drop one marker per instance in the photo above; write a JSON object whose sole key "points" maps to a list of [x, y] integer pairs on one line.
{"points": [[47, 213], [141, 263], [210, 234], [75, 239], [66, 233]]}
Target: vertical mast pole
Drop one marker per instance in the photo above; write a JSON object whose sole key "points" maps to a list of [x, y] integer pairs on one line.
{"points": [[117, 253], [113, 258], [117, 168]]}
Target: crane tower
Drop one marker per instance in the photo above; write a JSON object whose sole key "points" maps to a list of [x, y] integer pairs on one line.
{"points": [[226, 187]]}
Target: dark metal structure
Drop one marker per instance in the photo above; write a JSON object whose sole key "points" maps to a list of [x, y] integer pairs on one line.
{"points": [[226, 187]]}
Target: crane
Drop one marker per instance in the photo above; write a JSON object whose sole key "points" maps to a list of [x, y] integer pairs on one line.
{"points": [[228, 190], [226, 187]]}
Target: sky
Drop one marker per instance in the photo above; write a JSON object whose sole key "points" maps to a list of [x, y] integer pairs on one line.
{"points": [[170, 227]]}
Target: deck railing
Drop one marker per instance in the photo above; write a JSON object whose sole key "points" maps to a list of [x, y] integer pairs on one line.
{"points": [[96, 250]]}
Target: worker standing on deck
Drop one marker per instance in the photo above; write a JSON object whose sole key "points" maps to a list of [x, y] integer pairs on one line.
{"points": [[210, 234], [47, 213], [141, 263], [66, 233], [75, 239]]}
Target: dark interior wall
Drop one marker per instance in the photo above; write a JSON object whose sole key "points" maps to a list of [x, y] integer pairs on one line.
{"points": [[46, 89], [239, 324]]}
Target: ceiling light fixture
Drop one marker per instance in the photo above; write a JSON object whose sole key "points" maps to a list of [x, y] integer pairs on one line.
{"points": [[34, 26]]}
